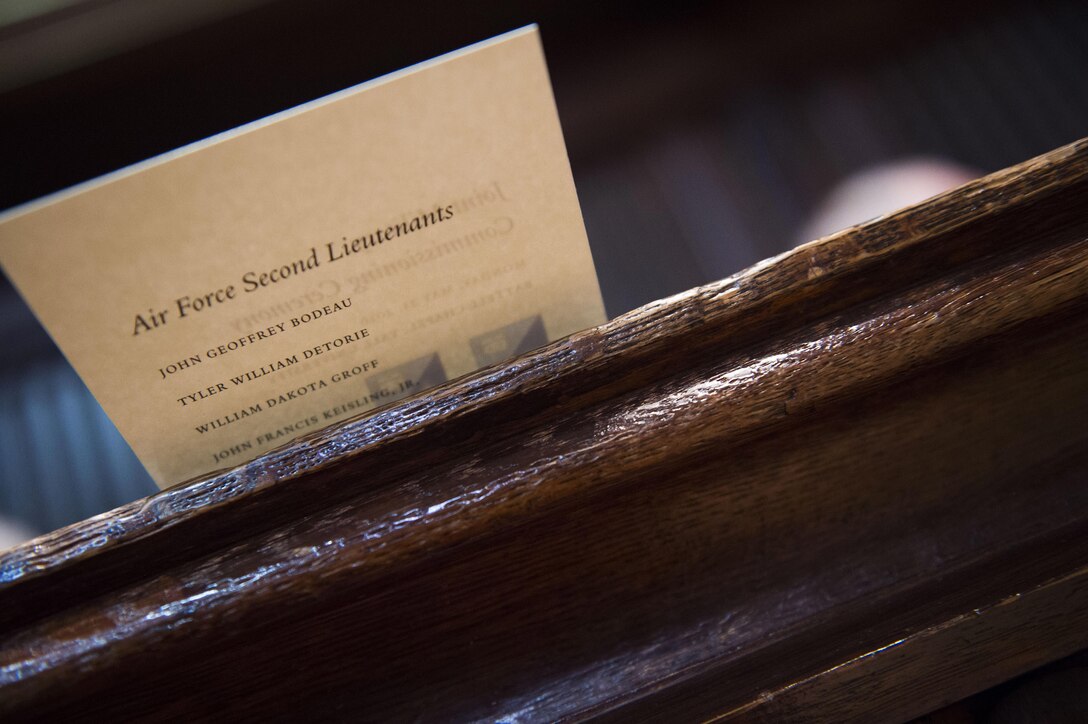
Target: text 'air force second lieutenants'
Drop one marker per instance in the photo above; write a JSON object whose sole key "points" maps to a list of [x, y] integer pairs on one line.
{"points": [[190, 305]]}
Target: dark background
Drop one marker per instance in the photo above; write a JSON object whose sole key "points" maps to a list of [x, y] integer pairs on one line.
{"points": [[701, 136]]}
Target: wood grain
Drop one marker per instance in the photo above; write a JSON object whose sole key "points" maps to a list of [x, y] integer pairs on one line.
{"points": [[845, 484]]}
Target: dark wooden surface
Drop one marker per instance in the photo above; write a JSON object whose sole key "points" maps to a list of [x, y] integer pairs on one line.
{"points": [[848, 483]]}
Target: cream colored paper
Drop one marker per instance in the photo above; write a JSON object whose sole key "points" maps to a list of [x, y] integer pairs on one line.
{"points": [[410, 230]]}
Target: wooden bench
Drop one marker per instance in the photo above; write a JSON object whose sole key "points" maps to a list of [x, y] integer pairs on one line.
{"points": [[849, 483]]}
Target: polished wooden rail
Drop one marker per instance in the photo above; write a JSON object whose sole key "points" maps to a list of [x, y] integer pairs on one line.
{"points": [[849, 483]]}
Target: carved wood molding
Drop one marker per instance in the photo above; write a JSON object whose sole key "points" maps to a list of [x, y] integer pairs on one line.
{"points": [[847, 483]]}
